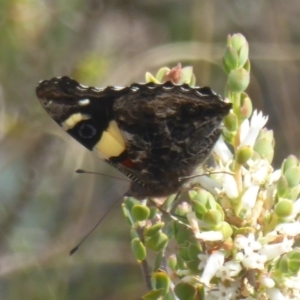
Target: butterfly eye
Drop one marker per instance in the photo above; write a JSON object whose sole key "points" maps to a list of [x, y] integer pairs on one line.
{"points": [[87, 131]]}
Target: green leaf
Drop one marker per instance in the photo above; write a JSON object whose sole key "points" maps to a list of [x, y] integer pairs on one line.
{"points": [[231, 59], [157, 242], [161, 281], [154, 229], [290, 161], [185, 291], [282, 187], [138, 249], [140, 212], [153, 295], [284, 208], [292, 176]]}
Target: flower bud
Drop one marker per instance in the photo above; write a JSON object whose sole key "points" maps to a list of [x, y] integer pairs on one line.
{"points": [[172, 262], [292, 176], [238, 80], [230, 60], [244, 153], [161, 73], [290, 161], [237, 41], [186, 75], [150, 78], [226, 230], [282, 187], [228, 136], [264, 145], [284, 208], [231, 122], [246, 106], [237, 51]]}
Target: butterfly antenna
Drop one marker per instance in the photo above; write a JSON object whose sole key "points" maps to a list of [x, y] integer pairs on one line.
{"points": [[93, 229], [204, 174], [80, 171]]}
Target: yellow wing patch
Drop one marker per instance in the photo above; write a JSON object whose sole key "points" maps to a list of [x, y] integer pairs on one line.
{"points": [[111, 142], [73, 120]]}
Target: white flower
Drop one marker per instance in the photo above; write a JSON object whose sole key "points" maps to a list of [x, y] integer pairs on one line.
{"points": [[290, 229], [250, 130], [260, 171], [223, 292], [239, 256], [270, 237], [210, 235], [254, 261], [296, 207], [222, 151], [247, 244], [272, 251], [230, 186], [214, 262], [267, 281], [193, 221], [292, 282], [240, 242], [275, 294], [209, 184], [249, 197], [244, 129], [247, 180], [203, 260], [274, 177], [229, 270]]}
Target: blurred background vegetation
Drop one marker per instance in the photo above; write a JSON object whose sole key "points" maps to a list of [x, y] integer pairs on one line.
{"points": [[45, 207]]}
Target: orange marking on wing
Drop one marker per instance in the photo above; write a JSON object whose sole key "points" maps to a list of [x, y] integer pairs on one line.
{"points": [[128, 163]]}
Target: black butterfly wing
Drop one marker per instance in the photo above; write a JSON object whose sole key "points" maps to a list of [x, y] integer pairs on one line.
{"points": [[169, 131], [84, 112], [153, 133]]}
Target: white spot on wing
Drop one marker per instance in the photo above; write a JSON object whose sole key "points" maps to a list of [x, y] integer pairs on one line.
{"points": [[168, 88], [84, 102], [134, 88], [151, 87], [94, 89], [118, 88], [81, 88], [184, 89]]}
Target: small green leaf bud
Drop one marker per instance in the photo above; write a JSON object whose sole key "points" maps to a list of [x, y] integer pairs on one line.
{"points": [[244, 153], [140, 212], [238, 80], [138, 249], [284, 208]]}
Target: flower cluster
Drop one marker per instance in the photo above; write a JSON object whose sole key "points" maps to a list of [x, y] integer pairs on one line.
{"points": [[236, 230]]}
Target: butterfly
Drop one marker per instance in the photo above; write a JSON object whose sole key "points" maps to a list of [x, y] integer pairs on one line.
{"points": [[152, 133]]}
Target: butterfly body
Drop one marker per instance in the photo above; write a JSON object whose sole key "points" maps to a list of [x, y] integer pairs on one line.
{"points": [[153, 133]]}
